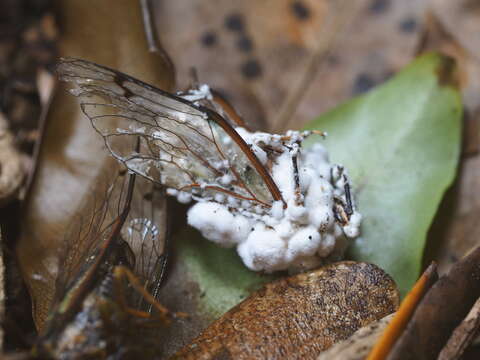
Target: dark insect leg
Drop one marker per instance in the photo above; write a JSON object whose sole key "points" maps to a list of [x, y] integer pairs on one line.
{"points": [[296, 179], [348, 197]]}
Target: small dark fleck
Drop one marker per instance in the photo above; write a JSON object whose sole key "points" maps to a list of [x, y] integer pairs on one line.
{"points": [[300, 10], [379, 6], [148, 196], [363, 83], [332, 60], [251, 69], [235, 22], [122, 172], [310, 237], [244, 43], [408, 25], [208, 39]]}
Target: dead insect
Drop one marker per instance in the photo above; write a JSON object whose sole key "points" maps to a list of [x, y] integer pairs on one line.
{"points": [[277, 202], [115, 251]]}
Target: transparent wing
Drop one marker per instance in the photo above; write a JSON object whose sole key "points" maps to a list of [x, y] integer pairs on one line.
{"points": [[183, 146], [92, 226], [145, 231]]}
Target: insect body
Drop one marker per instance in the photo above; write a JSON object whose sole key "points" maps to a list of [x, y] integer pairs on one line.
{"points": [[282, 206], [96, 313]]}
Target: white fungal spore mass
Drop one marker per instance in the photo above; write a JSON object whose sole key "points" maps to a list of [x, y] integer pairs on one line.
{"points": [[309, 226], [281, 206]]}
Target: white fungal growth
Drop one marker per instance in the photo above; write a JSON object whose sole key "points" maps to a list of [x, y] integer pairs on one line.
{"points": [[203, 92], [313, 226]]}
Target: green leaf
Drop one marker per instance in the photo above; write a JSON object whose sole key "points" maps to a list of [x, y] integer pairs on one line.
{"points": [[400, 143], [222, 279]]}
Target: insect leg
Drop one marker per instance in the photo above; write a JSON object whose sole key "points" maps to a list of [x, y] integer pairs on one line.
{"points": [[121, 272]]}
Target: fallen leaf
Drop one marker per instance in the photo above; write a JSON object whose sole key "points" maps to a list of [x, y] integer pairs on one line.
{"points": [[73, 158], [357, 346], [442, 309], [299, 316], [454, 232], [463, 335], [12, 168], [400, 143], [2, 294], [263, 55], [396, 327]]}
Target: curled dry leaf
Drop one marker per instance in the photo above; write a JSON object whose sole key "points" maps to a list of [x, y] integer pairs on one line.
{"points": [[357, 346], [299, 316], [396, 327], [441, 310], [73, 157], [12, 169], [463, 335]]}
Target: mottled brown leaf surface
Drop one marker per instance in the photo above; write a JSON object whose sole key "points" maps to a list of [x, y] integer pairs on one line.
{"points": [[73, 158], [299, 316], [258, 53], [357, 346]]}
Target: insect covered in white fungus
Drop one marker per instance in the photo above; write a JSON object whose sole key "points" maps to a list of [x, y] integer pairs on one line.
{"points": [[281, 205]]}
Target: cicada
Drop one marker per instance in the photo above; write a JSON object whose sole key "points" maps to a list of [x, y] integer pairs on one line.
{"points": [[110, 273], [283, 206]]}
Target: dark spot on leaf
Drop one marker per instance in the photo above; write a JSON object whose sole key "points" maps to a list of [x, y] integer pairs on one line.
{"points": [[208, 39], [408, 25], [332, 60], [300, 11], [251, 69], [235, 22], [446, 72], [379, 6], [244, 43], [363, 83]]}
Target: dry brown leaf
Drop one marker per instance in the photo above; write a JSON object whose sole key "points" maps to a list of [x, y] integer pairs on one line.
{"points": [[12, 169], [2, 293], [357, 346], [461, 19], [299, 316], [441, 311], [258, 53], [73, 157], [455, 231], [463, 335]]}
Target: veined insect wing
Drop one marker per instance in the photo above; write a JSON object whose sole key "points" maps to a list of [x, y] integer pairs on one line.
{"points": [[91, 248], [93, 225], [185, 147], [145, 231]]}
